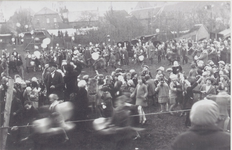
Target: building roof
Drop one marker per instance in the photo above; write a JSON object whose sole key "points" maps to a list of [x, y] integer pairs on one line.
{"points": [[196, 27], [225, 32], [46, 11], [75, 16]]}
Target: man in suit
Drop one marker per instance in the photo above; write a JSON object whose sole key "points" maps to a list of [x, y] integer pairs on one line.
{"points": [[55, 82]]}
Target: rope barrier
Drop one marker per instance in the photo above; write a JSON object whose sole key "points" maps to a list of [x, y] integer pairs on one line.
{"points": [[87, 120]]}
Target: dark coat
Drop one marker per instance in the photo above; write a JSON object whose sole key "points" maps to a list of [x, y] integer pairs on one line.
{"points": [[58, 82], [16, 107], [188, 97], [202, 138], [70, 81], [81, 104], [176, 69], [28, 116]]}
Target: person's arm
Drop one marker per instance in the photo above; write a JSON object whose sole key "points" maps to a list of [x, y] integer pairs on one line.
{"points": [[145, 91]]}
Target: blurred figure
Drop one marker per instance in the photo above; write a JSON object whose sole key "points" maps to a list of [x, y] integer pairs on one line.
{"points": [[223, 100], [204, 133]]}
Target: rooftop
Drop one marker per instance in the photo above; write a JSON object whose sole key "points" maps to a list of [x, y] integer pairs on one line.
{"points": [[45, 11]]}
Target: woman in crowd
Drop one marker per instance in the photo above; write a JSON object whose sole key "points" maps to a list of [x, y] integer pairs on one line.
{"points": [[140, 93]]}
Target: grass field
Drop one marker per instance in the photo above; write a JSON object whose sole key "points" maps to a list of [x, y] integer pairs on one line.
{"points": [[160, 129]]}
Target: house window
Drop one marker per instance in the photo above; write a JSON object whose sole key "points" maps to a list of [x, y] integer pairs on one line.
{"points": [[55, 20], [48, 21]]}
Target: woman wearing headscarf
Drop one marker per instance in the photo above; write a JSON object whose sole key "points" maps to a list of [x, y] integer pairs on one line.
{"points": [[204, 133]]}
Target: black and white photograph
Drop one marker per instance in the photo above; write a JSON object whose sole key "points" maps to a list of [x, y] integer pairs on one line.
{"points": [[115, 75]]}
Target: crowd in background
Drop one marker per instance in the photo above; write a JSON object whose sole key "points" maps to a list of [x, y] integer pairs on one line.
{"points": [[208, 78]]}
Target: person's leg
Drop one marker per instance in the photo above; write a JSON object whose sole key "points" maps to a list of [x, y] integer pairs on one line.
{"points": [[167, 106], [226, 123], [187, 120], [162, 107]]}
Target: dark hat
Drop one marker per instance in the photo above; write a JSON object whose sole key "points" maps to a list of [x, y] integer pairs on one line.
{"points": [[146, 66], [118, 70], [211, 79]]}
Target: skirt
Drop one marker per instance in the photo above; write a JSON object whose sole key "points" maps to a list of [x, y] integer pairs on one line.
{"points": [[163, 99]]}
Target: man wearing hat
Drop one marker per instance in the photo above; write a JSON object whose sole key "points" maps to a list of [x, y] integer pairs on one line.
{"points": [[221, 65], [146, 71], [204, 133], [55, 81]]}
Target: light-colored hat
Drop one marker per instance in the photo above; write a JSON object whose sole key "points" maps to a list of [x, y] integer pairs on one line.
{"points": [[175, 64], [82, 83], [169, 70], [34, 79], [221, 62], [204, 112], [132, 70], [160, 68]]}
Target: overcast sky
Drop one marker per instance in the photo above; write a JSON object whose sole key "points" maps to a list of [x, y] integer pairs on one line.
{"points": [[9, 7]]}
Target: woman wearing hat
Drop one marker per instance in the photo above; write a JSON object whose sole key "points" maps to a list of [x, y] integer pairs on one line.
{"points": [[204, 133], [140, 93]]}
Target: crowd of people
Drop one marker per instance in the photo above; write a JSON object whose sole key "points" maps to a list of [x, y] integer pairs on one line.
{"points": [[61, 81]]}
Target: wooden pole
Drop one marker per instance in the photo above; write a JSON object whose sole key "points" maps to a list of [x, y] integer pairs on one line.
{"points": [[9, 98]]}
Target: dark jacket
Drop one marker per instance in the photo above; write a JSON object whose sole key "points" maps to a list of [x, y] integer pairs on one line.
{"points": [[58, 82], [28, 116], [70, 81], [188, 97], [202, 138]]}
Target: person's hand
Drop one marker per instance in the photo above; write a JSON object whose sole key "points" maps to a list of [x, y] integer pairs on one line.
{"points": [[14, 113], [52, 87]]}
